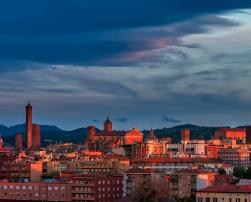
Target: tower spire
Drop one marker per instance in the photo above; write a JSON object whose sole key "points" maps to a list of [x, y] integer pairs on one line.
{"points": [[107, 125]]}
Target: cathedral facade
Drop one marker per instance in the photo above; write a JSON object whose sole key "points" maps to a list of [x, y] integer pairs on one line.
{"points": [[108, 139]]}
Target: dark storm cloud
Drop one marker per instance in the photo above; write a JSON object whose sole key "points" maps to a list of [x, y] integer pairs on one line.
{"points": [[122, 119], [170, 120], [165, 69], [96, 121], [89, 32]]}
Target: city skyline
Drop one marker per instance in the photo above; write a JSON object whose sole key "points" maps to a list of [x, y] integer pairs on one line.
{"points": [[165, 64]]}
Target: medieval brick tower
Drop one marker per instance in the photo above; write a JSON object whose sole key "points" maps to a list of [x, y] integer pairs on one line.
{"points": [[185, 136], [107, 125], [1, 143], [19, 141], [29, 125], [36, 136], [91, 132]]}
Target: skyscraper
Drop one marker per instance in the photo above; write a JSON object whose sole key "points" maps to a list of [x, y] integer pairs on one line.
{"points": [[35, 136], [29, 125], [19, 141]]}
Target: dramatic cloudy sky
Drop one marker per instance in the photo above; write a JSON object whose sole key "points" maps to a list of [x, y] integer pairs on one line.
{"points": [[145, 63]]}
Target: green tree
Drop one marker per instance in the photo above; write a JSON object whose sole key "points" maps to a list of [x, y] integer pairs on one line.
{"points": [[248, 173], [239, 172]]}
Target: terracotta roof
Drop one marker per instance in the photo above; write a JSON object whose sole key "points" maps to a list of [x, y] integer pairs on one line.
{"points": [[195, 171], [145, 171], [105, 139], [227, 188], [163, 159], [112, 133], [227, 165], [106, 156]]}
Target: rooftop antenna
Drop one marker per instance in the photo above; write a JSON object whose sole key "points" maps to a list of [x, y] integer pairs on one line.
{"points": [[29, 101]]}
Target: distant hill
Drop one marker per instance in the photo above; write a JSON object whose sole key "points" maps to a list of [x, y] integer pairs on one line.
{"points": [[53, 134], [197, 132], [49, 134], [20, 128]]}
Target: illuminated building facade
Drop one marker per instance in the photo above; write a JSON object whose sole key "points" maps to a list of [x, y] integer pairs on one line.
{"points": [[108, 139]]}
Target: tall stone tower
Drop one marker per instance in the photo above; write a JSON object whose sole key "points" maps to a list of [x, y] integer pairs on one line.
{"points": [[19, 141], [91, 132], [107, 125], [1, 143], [185, 136], [36, 142], [29, 125]]}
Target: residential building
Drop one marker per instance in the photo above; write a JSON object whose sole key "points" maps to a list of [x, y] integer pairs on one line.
{"points": [[184, 183], [225, 193], [238, 157], [97, 188], [30, 191], [170, 165], [134, 178], [231, 133]]}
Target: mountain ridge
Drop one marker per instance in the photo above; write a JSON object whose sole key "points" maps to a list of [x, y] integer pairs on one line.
{"points": [[51, 134]]}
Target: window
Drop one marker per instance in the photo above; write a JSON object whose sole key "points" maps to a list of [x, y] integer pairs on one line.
{"points": [[230, 199], [214, 199], [238, 200], [200, 199], [207, 199]]}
